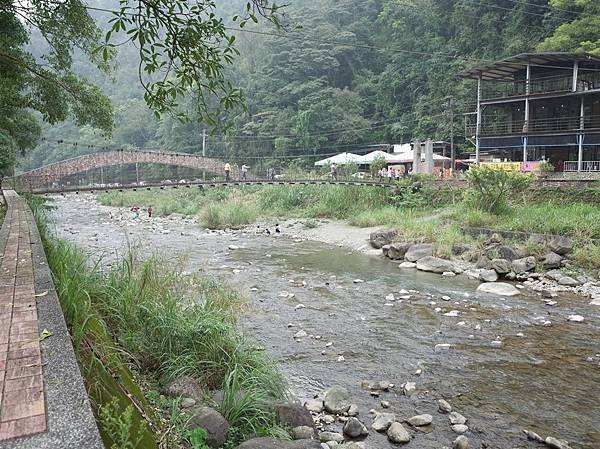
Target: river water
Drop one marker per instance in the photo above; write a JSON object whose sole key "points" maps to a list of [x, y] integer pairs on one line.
{"points": [[545, 378]]}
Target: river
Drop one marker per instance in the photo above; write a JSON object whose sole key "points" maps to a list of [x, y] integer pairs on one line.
{"points": [[545, 378]]}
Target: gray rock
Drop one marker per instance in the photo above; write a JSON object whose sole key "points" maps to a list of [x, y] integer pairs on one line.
{"points": [[488, 275], [292, 415], [353, 445], [382, 237], [409, 388], [460, 248], [569, 281], [420, 420], [212, 421], [555, 443], [456, 418], [273, 443], [396, 251], [418, 251], [561, 245], [331, 436], [434, 264], [353, 410], [498, 288], [187, 387], [461, 442], [523, 265], [533, 436], [459, 428], [551, 260], [444, 406], [303, 433], [314, 405], [408, 265], [354, 428], [383, 422], [188, 402], [510, 276], [503, 252], [483, 262], [398, 434], [337, 400], [502, 266]]}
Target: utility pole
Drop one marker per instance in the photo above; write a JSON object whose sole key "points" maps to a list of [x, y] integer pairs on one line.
{"points": [[452, 155], [203, 153]]}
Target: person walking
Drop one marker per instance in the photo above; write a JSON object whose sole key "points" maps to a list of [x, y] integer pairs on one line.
{"points": [[334, 171], [227, 171], [244, 172], [390, 174], [149, 210]]}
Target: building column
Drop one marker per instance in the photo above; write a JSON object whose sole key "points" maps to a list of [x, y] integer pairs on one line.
{"points": [[416, 156], [524, 148], [478, 128], [575, 75], [429, 156], [580, 137]]}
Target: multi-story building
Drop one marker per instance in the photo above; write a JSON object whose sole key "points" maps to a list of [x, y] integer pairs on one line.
{"points": [[538, 106]]}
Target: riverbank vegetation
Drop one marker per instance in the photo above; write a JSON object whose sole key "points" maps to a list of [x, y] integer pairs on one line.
{"points": [[426, 211], [139, 325]]}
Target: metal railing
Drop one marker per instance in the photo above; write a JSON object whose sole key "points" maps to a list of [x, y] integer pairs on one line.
{"points": [[555, 124], [541, 85], [586, 166]]}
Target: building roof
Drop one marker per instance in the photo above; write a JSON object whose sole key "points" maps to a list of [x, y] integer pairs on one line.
{"points": [[506, 68], [340, 159]]}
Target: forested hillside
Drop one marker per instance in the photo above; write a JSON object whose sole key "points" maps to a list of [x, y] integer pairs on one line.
{"points": [[339, 74]]}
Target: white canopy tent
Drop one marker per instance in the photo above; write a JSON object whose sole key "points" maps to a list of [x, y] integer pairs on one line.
{"points": [[368, 158], [340, 159], [407, 156]]}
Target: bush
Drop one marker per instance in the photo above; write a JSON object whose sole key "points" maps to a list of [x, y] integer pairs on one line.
{"points": [[490, 188]]}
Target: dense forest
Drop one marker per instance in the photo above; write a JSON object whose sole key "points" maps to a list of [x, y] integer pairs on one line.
{"points": [[335, 75]]}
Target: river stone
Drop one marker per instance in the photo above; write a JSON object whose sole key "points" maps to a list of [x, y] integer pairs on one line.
{"points": [[418, 251], [353, 410], [292, 415], [560, 245], [337, 400], [488, 275], [483, 262], [408, 265], [533, 436], [382, 237], [456, 418], [502, 266], [212, 421], [555, 443], [185, 386], [314, 405], [551, 260], [461, 442], [395, 251], [444, 406], [188, 402], [503, 252], [331, 436], [354, 428], [523, 265], [459, 428], [420, 420], [409, 388], [303, 433], [273, 443], [383, 422], [398, 434], [460, 248], [498, 288], [353, 445], [434, 264]]}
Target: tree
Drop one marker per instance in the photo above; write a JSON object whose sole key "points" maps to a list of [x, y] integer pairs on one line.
{"points": [[581, 33]]}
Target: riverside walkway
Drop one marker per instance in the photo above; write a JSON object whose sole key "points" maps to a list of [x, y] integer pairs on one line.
{"points": [[43, 402]]}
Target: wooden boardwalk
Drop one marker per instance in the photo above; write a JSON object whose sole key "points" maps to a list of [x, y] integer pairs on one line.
{"points": [[22, 401]]}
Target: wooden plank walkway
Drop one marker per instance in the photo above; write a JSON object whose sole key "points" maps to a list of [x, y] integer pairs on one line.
{"points": [[22, 401]]}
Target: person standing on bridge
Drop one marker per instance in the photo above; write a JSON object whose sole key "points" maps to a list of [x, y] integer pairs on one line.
{"points": [[244, 172], [334, 171], [227, 170]]}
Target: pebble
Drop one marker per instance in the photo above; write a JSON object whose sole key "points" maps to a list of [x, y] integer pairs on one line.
{"points": [[575, 318], [442, 347], [300, 334], [533, 436], [341, 358], [390, 297], [452, 313], [446, 298], [420, 420], [457, 418], [385, 404], [353, 410], [233, 247], [383, 422], [461, 442], [496, 343], [187, 402], [448, 274], [397, 433], [331, 436], [459, 428], [314, 405], [358, 281], [409, 388], [555, 443], [444, 406], [299, 306]]}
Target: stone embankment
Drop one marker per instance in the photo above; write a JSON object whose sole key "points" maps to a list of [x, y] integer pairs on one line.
{"points": [[496, 262]]}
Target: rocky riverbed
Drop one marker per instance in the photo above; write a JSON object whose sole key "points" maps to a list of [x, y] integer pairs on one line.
{"points": [[339, 318]]}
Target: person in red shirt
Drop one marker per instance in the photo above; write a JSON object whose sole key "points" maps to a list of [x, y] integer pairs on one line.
{"points": [[149, 210]]}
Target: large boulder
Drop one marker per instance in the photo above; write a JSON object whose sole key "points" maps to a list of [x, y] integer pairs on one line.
{"points": [[483, 263], [551, 260], [502, 252], [212, 421], [434, 265], [382, 237], [354, 428], [561, 245], [498, 288], [187, 387], [418, 251], [273, 443], [562, 278], [337, 400], [292, 415], [395, 251], [523, 265], [501, 266], [398, 434], [488, 275]]}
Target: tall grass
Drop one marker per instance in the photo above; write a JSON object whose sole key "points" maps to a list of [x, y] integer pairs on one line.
{"points": [[165, 325]]}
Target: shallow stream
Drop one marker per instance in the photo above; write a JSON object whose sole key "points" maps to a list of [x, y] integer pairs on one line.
{"points": [[545, 378]]}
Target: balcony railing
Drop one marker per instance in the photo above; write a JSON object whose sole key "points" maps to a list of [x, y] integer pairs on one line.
{"points": [[557, 124], [540, 85], [586, 166]]}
